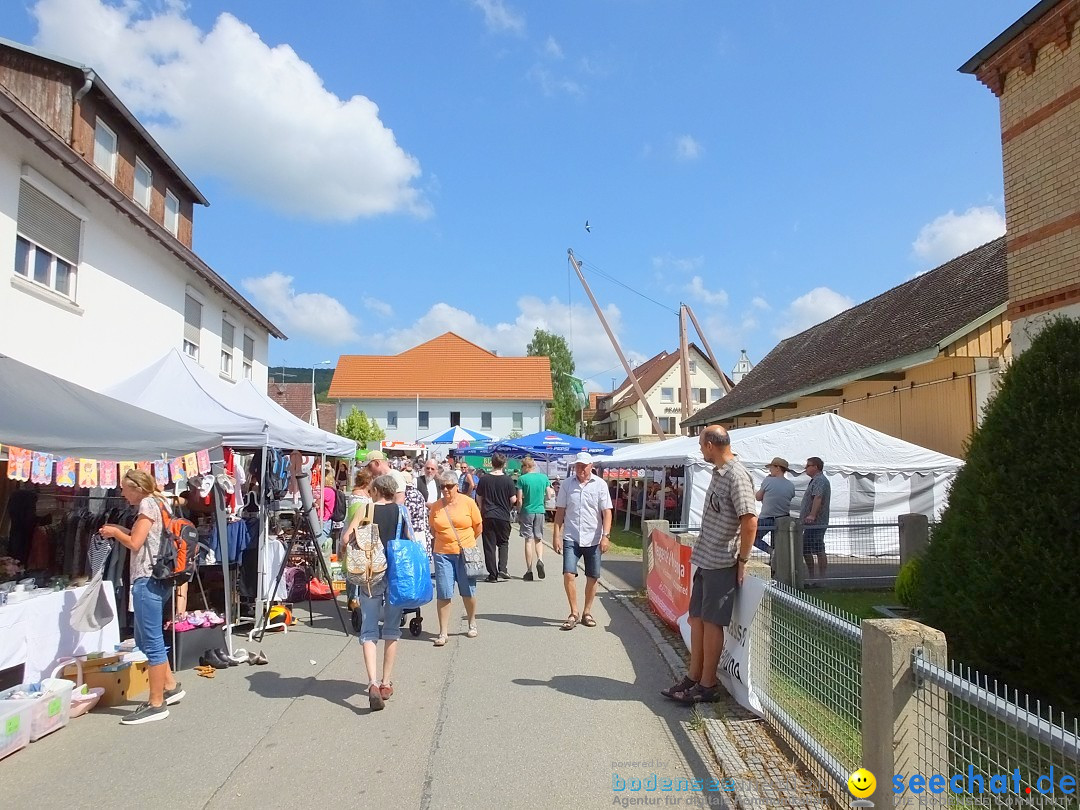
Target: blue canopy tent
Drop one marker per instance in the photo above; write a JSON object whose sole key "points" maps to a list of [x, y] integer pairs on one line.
{"points": [[455, 435], [548, 445]]}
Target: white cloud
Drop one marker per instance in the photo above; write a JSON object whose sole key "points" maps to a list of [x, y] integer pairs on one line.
{"points": [[716, 298], [224, 102], [816, 306], [589, 344], [684, 264], [500, 17], [552, 85], [552, 48], [317, 316], [952, 234], [377, 306], [686, 148], [759, 303]]}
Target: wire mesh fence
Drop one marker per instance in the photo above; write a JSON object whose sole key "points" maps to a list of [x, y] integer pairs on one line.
{"points": [[806, 660], [862, 554], [992, 747]]}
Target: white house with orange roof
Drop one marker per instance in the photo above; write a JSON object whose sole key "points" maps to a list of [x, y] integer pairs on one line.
{"points": [[445, 382]]}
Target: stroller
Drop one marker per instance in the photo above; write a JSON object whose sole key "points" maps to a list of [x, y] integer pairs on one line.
{"points": [[416, 623]]}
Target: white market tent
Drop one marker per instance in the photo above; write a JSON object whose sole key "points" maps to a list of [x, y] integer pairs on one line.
{"points": [[874, 477], [179, 388]]}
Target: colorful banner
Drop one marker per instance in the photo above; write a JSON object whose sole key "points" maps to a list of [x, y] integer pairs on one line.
{"points": [[41, 465], [88, 471], [176, 470], [191, 465], [668, 581], [161, 473], [107, 477], [145, 466], [203, 458], [19, 463], [125, 468], [65, 472]]}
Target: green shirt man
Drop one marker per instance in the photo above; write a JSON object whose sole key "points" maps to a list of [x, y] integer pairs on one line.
{"points": [[533, 488]]}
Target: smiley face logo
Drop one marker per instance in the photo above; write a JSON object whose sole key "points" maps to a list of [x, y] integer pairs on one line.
{"points": [[862, 784]]}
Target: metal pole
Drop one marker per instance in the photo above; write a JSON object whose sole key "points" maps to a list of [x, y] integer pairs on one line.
{"points": [[684, 361], [615, 344], [629, 503]]}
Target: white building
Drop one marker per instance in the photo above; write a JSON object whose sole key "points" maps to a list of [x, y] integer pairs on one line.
{"points": [[445, 382], [742, 368], [96, 220], [621, 416]]}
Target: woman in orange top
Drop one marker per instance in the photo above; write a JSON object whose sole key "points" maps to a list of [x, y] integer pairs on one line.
{"points": [[455, 524]]}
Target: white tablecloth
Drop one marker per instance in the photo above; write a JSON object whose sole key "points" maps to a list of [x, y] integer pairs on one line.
{"points": [[38, 632]]}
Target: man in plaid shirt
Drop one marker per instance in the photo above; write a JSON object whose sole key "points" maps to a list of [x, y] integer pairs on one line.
{"points": [[728, 529]]}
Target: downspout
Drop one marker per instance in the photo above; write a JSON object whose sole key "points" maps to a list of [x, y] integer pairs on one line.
{"points": [[90, 76]]}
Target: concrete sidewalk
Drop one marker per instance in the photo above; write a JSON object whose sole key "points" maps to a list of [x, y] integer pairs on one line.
{"points": [[525, 716]]}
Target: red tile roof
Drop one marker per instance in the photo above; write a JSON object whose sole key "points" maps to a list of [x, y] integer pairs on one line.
{"points": [[293, 397], [446, 367], [326, 413]]}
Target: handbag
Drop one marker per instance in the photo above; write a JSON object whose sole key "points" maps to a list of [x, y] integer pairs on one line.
{"points": [[475, 566], [408, 576], [92, 610]]}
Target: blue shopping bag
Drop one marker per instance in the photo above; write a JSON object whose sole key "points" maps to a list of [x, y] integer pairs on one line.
{"points": [[409, 573]]}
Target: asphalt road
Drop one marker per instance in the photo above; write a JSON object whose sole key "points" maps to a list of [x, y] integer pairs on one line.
{"points": [[525, 715]]}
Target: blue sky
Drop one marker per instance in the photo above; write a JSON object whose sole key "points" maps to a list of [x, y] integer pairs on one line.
{"points": [[380, 172]]}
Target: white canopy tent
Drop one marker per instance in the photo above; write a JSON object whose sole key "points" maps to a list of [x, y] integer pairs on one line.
{"points": [[874, 477], [247, 397]]}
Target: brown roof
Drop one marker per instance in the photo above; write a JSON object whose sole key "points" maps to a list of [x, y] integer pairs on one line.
{"points": [[651, 372], [446, 367], [294, 397], [326, 413], [904, 321]]}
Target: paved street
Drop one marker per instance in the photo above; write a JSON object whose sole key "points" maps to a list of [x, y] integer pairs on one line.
{"points": [[523, 716]]}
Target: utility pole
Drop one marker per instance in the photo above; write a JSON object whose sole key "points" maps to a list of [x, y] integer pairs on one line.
{"points": [[684, 362], [708, 350], [615, 344]]}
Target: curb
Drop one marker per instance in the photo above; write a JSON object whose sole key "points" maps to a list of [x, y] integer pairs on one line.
{"points": [[732, 765]]}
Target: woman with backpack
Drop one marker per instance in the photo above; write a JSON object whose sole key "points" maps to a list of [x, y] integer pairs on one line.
{"points": [[455, 524], [391, 521], [148, 595]]}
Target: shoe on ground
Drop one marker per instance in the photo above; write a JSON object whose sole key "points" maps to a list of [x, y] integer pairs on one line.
{"points": [[228, 659], [145, 714], [700, 694], [491, 579], [386, 690], [210, 658], [472, 633], [528, 577], [375, 699], [503, 575], [540, 568], [174, 695]]}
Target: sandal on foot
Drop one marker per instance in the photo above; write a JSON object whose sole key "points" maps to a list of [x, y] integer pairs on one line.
{"points": [[570, 623], [375, 699], [700, 694], [386, 690], [588, 620], [682, 686], [472, 632], [440, 640]]}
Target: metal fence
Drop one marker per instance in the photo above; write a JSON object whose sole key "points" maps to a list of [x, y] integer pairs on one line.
{"points": [[805, 669], [863, 554], [977, 729]]}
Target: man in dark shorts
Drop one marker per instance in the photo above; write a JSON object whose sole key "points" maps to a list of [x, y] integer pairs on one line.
{"points": [[496, 495], [814, 514], [728, 529]]}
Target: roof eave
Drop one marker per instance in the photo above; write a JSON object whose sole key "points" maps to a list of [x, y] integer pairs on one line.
{"points": [[25, 121], [1008, 35], [121, 108]]}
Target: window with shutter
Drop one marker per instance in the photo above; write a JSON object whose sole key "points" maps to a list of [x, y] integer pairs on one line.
{"points": [[144, 181], [105, 149], [172, 213], [192, 326], [249, 355], [48, 241], [228, 338]]}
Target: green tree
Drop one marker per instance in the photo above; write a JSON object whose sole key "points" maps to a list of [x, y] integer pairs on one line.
{"points": [[1000, 575], [565, 409], [359, 428]]}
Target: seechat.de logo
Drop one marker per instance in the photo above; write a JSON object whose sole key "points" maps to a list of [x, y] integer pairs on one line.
{"points": [[862, 784]]}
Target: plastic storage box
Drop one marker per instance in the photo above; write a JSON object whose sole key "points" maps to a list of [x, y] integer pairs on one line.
{"points": [[47, 713], [14, 726]]}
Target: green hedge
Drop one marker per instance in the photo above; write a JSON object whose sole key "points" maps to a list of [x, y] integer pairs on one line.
{"points": [[1001, 577]]}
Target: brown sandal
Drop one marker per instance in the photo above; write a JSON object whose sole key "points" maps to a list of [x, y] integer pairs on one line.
{"points": [[588, 620], [570, 623]]}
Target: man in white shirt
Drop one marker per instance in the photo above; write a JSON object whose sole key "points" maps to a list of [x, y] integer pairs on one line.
{"points": [[583, 518], [428, 481], [378, 465]]}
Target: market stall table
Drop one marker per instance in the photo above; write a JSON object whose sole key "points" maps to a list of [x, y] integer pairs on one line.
{"points": [[37, 632]]}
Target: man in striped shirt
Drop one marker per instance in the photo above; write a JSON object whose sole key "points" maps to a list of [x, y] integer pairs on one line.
{"points": [[728, 529]]}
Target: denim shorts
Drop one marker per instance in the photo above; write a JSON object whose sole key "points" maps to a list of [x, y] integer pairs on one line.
{"points": [[376, 608], [572, 552], [148, 597], [450, 568]]}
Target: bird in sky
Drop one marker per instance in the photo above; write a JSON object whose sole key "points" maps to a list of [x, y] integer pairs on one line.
{"points": [[587, 228]]}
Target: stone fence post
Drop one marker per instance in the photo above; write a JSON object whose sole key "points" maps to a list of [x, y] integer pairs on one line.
{"points": [[787, 562], [914, 536], [904, 730], [647, 527]]}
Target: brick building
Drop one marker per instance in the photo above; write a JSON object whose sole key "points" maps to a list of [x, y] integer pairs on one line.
{"points": [[1034, 70]]}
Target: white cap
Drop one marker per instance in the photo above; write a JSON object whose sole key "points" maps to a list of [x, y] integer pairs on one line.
{"points": [[583, 458]]}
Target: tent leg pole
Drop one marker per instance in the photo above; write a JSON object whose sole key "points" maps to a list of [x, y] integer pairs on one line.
{"points": [[264, 531]]}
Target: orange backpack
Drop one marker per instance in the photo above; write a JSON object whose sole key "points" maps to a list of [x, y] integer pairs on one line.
{"points": [[175, 558]]}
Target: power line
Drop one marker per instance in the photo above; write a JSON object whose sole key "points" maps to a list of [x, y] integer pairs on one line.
{"points": [[599, 272]]}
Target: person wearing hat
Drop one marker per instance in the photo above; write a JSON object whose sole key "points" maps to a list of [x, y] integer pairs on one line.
{"points": [[582, 530], [377, 465], [775, 495]]}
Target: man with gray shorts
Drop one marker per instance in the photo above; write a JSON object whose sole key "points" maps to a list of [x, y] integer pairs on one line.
{"points": [[533, 487], [728, 529]]}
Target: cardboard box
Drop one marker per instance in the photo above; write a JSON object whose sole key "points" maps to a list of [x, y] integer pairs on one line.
{"points": [[122, 685]]}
